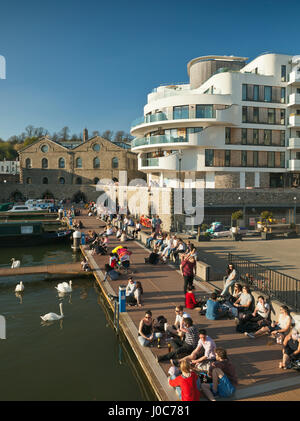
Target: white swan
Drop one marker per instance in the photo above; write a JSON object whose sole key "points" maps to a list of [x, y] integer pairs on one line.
{"points": [[53, 316], [19, 287], [15, 263], [64, 287]]}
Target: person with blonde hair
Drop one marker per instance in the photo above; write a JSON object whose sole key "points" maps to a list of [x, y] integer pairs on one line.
{"points": [[186, 383]]}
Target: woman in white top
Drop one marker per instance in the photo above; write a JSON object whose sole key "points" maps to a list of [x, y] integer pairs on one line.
{"points": [[282, 327]]}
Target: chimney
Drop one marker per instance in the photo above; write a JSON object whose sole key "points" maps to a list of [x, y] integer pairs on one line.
{"points": [[85, 135]]}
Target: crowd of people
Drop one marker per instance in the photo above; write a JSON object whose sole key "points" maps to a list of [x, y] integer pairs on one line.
{"points": [[197, 366]]}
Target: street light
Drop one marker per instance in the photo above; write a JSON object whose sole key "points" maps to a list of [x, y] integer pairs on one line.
{"points": [[179, 159]]}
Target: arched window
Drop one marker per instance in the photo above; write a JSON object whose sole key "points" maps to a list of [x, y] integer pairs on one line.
{"points": [[96, 162], [96, 179], [78, 180], [45, 180], [78, 163], [115, 162], [61, 180], [44, 163], [61, 163], [28, 163], [28, 180]]}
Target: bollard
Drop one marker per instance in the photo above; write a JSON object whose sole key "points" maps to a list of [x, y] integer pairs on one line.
{"points": [[76, 240], [82, 238], [70, 221], [65, 212], [122, 299]]}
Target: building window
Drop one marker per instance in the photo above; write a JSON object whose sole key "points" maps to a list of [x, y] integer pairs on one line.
{"points": [[282, 116], [227, 158], [44, 163], [78, 180], [255, 159], [255, 93], [244, 158], [61, 180], [28, 180], [115, 163], [61, 163], [78, 163], [96, 147], [209, 157], [44, 148], [282, 95], [271, 115], [227, 135], [271, 159], [282, 159], [282, 138], [267, 137], [28, 163], [244, 114], [255, 114], [283, 73], [244, 92], [45, 180], [255, 136], [181, 112], [244, 136], [204, 111], [268, 93], [96, 180], [96, 162]]}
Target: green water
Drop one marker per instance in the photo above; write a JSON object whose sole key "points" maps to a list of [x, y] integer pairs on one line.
{"points": [[35, 256], [77, 358]]}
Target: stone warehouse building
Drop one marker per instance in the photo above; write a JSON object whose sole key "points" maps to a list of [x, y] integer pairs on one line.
{"points": [[64, 168]]}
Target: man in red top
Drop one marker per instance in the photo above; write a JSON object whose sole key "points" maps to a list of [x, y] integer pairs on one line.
{"points": [[186, 383], [188, 270]]}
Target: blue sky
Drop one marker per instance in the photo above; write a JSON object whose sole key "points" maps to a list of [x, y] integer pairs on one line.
{"points": [[91, 63]]}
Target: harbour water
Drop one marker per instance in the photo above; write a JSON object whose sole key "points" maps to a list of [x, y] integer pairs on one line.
{"points": [[76, 358]]}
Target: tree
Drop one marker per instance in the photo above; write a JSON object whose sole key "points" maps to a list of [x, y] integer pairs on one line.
{"points": [[108, 134], [119, 136], [64, 133], [95, 133]]}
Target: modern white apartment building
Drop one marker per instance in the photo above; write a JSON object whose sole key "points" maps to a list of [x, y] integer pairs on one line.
{"points": [[235, 125]]}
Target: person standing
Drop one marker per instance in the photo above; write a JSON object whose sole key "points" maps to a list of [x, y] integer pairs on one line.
{"points": [[188, 271]]}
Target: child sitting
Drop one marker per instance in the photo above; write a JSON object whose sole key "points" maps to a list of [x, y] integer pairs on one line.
{"points": [[190, 300]]}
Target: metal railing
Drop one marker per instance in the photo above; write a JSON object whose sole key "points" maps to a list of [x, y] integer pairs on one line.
{"points": [[274, 284]]}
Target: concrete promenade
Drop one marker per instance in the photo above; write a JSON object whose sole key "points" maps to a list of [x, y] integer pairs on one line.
{"points": [[256, 361]]}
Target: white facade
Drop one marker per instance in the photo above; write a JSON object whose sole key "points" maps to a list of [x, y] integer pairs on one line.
{"points": [[239, 128], [9, 167]]}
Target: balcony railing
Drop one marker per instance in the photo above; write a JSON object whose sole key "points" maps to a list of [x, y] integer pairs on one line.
{"points": [[294, 99], [150, 162], [154, 140], [294, 143], [294, 164], [294, 120]]}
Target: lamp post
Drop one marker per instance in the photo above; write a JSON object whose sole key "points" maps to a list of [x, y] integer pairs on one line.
{"points": [[179, 162], [295, 208]]}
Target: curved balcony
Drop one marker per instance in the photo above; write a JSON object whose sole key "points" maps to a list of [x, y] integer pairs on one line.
{"points": [[165, 163], [230, 116], [157, 140], [294, 165], [294, 120], [294, 143]]}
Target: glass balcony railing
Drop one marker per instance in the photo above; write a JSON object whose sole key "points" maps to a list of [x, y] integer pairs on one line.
{"points": [[154, 140], [150, 162]]}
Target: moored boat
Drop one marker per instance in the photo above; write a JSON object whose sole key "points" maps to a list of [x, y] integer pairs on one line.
{"points": [[14, 234]]}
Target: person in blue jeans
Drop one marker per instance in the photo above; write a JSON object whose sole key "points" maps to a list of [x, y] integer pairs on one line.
{"points": [[214, 310], [150, 239]]}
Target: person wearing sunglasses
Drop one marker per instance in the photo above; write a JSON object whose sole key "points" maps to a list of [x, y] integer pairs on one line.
{"points": [[146, 334]]}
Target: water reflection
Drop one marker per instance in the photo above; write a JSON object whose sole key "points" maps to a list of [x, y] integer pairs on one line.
{"points": [[19, 295], [48, 324]]}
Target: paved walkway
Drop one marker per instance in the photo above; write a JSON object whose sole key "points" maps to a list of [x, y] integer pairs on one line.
{"points": [[256, 361]]}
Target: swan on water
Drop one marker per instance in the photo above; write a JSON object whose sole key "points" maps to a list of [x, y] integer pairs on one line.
{"points": [[64, 287], [15, 263], [53, 316], [19, 287]]}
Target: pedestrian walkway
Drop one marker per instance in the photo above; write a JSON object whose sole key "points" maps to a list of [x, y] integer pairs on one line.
{"points": [[256, 361]]}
